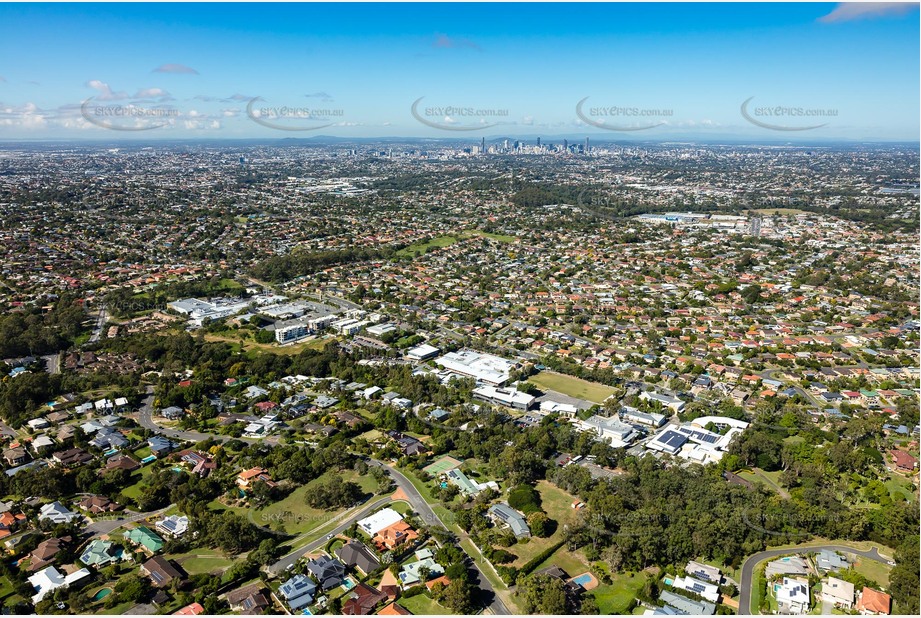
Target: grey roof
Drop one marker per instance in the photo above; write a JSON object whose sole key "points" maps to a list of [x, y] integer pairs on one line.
{"points": [[510, 516]]}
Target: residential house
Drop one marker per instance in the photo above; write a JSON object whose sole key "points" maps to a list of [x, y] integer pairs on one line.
{"points": [[99, 553], [838, 592], [160, 571], [412, 573], [98, 504], [121, 462], [144, 537], [56, 513], [298, 591], [160, 446], [45, 552], [788, 565], [394, 535], [192, 609], [501, 513], [362, 599], [249, 599], [50, 579], [248, 477], [15, 456], [72, 457], [827, 560], [174, 525], [9, 522], [904, 461], [329, 572], [355, 554], [873, 602], [792, 596], [704, 572]]}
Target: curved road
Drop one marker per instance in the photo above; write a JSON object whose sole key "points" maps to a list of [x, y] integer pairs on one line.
{"points": [[748, 567], [426, 514]]}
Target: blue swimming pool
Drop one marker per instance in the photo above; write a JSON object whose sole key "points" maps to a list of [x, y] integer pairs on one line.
{"points": [[668, 581], [149, 459], [586, 578]]}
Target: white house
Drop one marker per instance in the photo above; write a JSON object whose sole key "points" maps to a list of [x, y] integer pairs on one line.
{"points": [[50, 579]]}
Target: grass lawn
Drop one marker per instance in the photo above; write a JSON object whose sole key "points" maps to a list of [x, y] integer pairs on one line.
{"points": [[556, 503], [422, 605], [6, 588], [574, 387], [423, 488], [871, 569], [423, 247], [899, 487], [769, 479], [498, 237], [293, 515], [757, 581], [402, 507], [615, 598], [116, 610], [286, 350], [134, 491], [573, 563], [205, 564]]}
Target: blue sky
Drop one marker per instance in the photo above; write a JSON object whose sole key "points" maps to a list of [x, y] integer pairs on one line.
{"points": [[354, 70]]}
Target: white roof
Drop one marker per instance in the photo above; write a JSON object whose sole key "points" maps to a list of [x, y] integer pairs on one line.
{"points": [[380, 520], [484, 367], [50, 579], [506, 396]]}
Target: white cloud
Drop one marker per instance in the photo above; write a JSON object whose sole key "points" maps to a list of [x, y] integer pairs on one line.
{"points": [[151, 93], [175, 68], [849, 11], [105, 92]]}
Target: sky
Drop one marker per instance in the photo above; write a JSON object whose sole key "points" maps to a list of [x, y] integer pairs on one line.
{"points": [[793, 71]]}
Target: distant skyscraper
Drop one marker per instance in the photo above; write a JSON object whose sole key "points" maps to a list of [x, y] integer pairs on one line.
{"points": [[483, 146], [586, 145], [566, 145], [756, 226], [538, 142]]}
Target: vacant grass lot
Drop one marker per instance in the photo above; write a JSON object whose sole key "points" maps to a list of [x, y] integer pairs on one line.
{"points": [[292, 514], [876, 571], [203, 560], [574, 387], [287, 350], [615, 598], [499, 237], [557, 503], [422, 247], [421, 605]]}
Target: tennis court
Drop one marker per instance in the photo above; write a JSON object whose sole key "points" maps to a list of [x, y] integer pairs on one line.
{"points": [[442, 465]]}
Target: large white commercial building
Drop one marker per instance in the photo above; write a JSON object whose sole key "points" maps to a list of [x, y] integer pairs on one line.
{"points": [[486, 368], [508, 397], [609, 430]]}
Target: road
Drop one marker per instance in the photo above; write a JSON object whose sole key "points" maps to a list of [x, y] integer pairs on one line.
{"points": [[145, 420], [105, 525], [748, 567], [100, 324], [53, 363], [281, 565]]}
